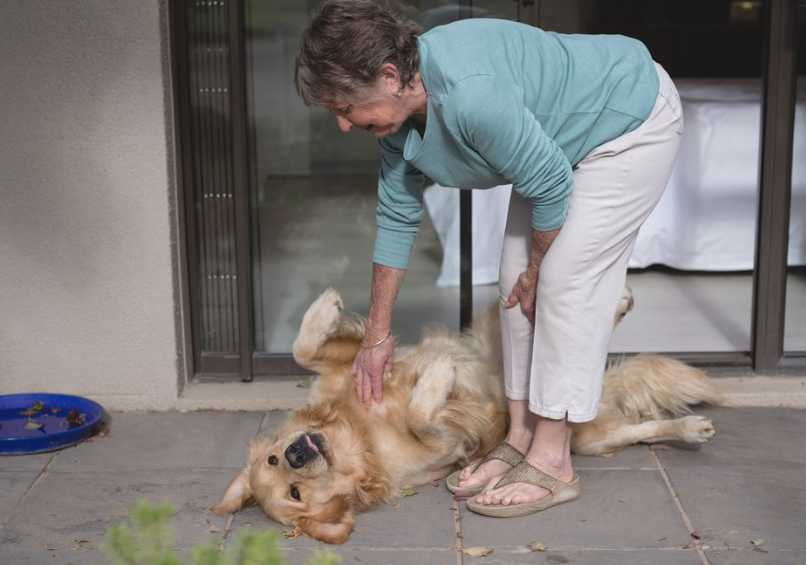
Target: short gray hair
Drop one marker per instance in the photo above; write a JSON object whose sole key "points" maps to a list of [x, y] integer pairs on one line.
{"points": [[344, 47]]}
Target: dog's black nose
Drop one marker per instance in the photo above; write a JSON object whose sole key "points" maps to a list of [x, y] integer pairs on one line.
{"points": [[299, 453]]}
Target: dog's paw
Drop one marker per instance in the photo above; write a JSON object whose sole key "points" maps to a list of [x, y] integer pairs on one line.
{"points": [[697, 429], [625, 305], [322, 318]]}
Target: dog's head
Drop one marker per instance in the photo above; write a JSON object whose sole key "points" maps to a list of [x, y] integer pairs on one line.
{"points": [[299, 480]]}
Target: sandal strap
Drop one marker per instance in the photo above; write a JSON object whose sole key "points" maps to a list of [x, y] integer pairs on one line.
{"points": [[504, 452], [523, 472]]}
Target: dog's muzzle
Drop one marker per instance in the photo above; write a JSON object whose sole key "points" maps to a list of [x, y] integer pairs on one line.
{"points": [[302, 451]]}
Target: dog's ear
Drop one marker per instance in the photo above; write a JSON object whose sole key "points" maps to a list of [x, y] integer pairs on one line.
{"points": [[236, 496], [371, 488], [331, 523]]}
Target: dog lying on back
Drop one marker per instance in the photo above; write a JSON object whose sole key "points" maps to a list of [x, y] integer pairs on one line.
{"points": [[443, 407]]}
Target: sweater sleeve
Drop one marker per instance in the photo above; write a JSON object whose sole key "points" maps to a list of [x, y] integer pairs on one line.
{"points": [[490, 117], [400, 207]]}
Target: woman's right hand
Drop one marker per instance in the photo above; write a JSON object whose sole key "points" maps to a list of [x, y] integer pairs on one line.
{"points": [[371, 366]]}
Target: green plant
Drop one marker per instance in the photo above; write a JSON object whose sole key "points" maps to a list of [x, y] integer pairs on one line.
{"points": [[147, 538]]}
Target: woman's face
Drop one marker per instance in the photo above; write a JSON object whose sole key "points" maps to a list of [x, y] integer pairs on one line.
{"points": [[381, 116]]}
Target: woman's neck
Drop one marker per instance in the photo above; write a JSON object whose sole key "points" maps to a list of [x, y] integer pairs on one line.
{"points": [[419, 101]]}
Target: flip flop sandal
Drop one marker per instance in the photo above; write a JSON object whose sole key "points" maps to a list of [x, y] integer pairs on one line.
{"points": [[525, 473], [503, 451]]}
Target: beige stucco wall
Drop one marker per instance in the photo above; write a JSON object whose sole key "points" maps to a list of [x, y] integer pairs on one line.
{"points": [[87, 293]]}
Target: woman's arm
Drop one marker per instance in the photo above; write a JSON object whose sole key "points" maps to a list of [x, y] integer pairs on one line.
{"points": [[525, 290], [374, 358]]}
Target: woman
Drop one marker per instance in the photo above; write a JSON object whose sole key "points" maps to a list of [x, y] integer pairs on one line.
{"points": [[585, 128]]}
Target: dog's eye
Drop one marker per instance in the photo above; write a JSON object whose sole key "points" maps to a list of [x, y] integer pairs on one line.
{"points": [[272, 460], [295, 493]]}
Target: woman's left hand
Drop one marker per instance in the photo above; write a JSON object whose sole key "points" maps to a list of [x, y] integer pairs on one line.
{"points": [[525, 293], [525, 290]]}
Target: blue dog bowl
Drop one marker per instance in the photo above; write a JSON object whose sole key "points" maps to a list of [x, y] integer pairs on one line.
{"points": [[55, 432]]}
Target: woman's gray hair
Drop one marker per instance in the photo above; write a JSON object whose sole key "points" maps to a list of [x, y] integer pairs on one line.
{"points": [[346, 44]]}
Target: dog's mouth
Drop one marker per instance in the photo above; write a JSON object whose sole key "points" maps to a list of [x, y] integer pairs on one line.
{"points": [[306, 448]]}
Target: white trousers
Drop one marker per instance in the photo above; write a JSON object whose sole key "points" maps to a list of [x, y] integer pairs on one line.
{"points": [[558, 365]]}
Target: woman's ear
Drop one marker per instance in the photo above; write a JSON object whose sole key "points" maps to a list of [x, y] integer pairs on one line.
{"points": [[390, 78]]}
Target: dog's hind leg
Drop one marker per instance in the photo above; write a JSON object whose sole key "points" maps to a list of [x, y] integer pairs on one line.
{"points": [[431, 392], [591, 439]]}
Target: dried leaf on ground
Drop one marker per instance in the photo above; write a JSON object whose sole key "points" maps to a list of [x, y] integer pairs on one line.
{"points": [[295, 533], [538, 546], [756, 542], [477, 551], [408, 492], [34, 426], [660, 447]]}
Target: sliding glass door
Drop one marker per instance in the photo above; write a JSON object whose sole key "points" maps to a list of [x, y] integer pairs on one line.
{"points": [[313, 189]]}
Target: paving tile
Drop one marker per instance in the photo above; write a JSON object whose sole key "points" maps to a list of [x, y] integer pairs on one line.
{"points": [[419, 521], [170, 440], [423, 520], [77, 556], [273, 422], [635, 457], [761, 501], [65, 508], [617, 509], [756, 557], [588, 557], [13, 487], [380, 556], [33, 462], [52, 557], [747, 436]]}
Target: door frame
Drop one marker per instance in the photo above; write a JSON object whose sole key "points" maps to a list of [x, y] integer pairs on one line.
{"points": [[766, 356]]}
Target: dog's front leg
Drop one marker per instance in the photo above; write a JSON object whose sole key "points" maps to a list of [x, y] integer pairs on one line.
{"points": [[325, 337]]}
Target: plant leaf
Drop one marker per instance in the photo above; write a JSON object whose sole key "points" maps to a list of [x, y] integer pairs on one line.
{"points": [[756, 542], [408, 492], [34, 426], [538, 546], [307, 382]]}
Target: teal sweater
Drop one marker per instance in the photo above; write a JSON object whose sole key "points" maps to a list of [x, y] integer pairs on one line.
{"points": [[509, 104]]}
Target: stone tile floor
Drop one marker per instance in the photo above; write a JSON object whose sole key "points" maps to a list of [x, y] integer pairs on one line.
{"points": [[637, 507]]}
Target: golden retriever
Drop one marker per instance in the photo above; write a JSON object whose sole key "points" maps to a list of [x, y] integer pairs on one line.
{"points": [[443, 407]]}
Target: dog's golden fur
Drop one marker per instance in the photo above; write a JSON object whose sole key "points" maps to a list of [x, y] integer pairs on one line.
{"points": [[443, 407]]}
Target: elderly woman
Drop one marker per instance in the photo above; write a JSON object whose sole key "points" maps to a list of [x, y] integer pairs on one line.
{"points": [[585, 128]]}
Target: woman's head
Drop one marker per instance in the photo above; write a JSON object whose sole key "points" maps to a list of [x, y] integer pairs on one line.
{"points": [[345, 47]]}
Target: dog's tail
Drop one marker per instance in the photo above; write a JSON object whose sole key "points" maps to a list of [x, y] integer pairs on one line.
{"points": [[651, 387], [485, 334]]}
